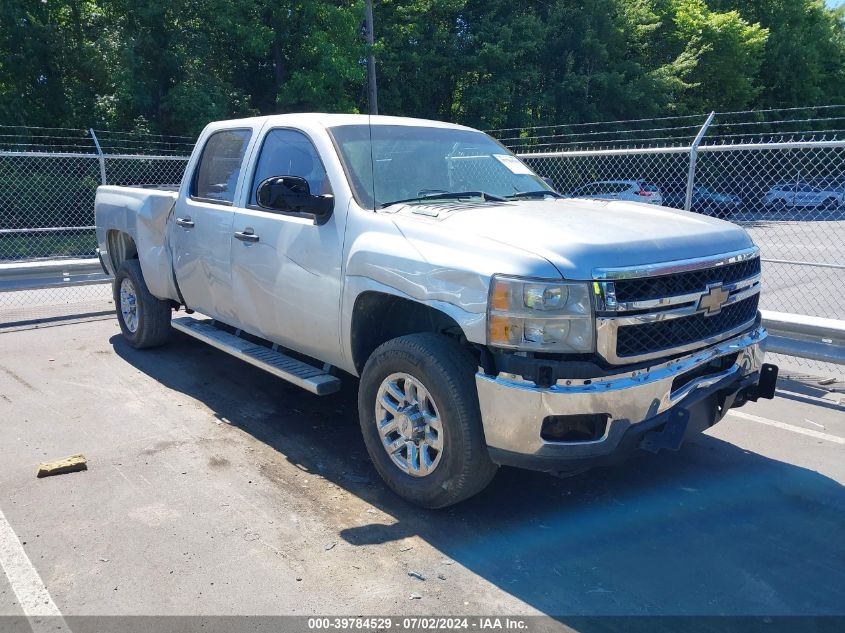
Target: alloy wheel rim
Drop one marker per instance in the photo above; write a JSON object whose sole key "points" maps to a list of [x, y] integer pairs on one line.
{"points": [[129, 304], [409, 424]]}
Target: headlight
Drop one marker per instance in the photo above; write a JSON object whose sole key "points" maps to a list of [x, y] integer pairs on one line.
{"points": [[540, 316]]}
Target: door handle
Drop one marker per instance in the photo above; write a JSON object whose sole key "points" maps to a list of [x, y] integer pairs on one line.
{"points": [[186, 222], [247, 235]]}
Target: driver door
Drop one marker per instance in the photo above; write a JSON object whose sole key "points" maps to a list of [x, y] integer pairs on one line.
{"points": [[286, 270]]}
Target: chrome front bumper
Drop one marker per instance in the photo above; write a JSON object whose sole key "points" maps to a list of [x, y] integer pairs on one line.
{"points": [[513, 410]]}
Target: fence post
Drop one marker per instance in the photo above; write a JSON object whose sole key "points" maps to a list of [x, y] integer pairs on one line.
{"points": [[101, 157], [693, 158]]}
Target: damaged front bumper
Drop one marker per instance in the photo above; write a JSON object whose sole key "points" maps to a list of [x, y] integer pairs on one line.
{"points": [[653, 408]]}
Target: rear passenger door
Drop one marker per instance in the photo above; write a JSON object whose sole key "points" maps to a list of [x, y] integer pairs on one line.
{"points": [[202, 226]]}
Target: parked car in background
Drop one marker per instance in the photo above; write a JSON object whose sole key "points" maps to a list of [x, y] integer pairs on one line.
{"points": [[630, 190], [704, 200], [801, 195], [833, 190], [749, 187]]}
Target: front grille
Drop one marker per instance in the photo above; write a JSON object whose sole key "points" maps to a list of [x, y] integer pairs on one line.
{"points": [[634, 340], [684, 283]]}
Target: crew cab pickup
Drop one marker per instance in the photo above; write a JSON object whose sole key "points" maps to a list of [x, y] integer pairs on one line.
{"points": [[487, 319]]}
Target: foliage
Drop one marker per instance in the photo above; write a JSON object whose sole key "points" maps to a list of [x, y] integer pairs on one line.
{"points": [[170, 66]]}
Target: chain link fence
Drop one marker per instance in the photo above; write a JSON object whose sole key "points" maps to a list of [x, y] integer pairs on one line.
{"points": [[48, 180]]}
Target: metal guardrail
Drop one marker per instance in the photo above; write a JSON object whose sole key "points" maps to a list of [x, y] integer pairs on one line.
{"points": [[51, 274], [809, 337]]}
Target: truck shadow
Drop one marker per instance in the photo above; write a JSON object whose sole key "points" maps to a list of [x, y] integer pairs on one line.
{"points": [[711, 530]]}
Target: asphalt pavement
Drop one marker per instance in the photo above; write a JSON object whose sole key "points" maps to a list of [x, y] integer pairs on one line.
{"points": [[214, 488]]}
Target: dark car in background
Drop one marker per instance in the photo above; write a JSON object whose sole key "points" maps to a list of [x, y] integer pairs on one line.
{"points": [[704, 200]]}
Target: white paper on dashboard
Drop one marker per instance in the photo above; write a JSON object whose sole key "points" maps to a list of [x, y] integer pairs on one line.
{"points": [[513, 163]]}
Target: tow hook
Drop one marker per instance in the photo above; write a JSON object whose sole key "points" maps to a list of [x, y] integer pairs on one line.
{"points": [[765, 388], [671, 436]]}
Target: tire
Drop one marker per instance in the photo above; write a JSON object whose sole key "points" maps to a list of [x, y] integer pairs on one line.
{"points": [[830, 204], [446, 372], [149, 324]]}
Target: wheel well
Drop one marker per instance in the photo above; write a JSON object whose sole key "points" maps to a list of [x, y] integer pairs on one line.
{"points": [[379, 317], [121, 247]]}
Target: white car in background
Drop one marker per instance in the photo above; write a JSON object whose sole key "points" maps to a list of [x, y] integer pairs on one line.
{"points": [[630, 190], [834, 191], [803, 195]]}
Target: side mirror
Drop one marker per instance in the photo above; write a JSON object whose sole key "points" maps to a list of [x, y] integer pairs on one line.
{"points": [[292, 194]]}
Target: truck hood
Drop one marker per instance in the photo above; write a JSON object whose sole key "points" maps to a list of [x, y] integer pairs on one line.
{"points": [[578, 236]]}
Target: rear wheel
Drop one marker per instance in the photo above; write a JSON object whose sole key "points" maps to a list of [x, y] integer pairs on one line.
{"points": [[419, 414], [143, 318]]}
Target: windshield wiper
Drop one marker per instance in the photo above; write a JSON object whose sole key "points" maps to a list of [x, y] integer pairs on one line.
{"points": [[449, 195], [535, 194]]}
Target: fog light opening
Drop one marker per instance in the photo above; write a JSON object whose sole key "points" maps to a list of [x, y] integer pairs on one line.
{"points": [[574, 428]]}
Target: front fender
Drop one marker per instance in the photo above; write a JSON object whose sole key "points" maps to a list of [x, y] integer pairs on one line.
{"points": [[473, 323]]}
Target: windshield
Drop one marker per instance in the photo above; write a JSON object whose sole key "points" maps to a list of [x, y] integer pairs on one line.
{"points": [[414, 162]]}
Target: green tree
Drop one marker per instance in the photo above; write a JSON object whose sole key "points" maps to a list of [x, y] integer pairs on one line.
{"points": [[173, 65], [728, 53], [50, 73], [420, 52], [804, 58]]}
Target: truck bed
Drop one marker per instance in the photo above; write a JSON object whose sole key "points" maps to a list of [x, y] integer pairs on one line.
{"points": [[140, 213]]}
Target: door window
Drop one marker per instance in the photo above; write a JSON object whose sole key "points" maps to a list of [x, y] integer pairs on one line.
{"points": [[289, 153], [216, 176]]}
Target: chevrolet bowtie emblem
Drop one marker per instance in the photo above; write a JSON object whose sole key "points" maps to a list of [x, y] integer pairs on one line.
{"points": [[713, 300]]}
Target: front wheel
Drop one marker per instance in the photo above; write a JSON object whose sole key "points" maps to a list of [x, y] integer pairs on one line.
{"points": [[144, 319], [420, 418]]}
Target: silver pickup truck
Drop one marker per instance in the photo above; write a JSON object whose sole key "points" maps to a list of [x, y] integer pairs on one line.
{"points": [[488, 320]]}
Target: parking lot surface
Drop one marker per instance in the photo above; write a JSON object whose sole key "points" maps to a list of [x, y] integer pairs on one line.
{"points": [[214, 488], [804, 289]]}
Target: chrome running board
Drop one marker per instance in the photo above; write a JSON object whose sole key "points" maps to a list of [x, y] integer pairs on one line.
{"points": [[314, 379]]}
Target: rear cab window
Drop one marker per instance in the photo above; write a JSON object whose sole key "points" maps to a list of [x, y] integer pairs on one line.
{"points": [[216, 175]]}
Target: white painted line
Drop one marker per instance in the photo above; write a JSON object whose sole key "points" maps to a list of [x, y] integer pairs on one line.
{"points": [[33, 597], [806, 396], [789, 427]]}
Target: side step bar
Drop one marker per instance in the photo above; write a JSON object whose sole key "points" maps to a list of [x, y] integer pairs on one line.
{"points": [[314, 379]]}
